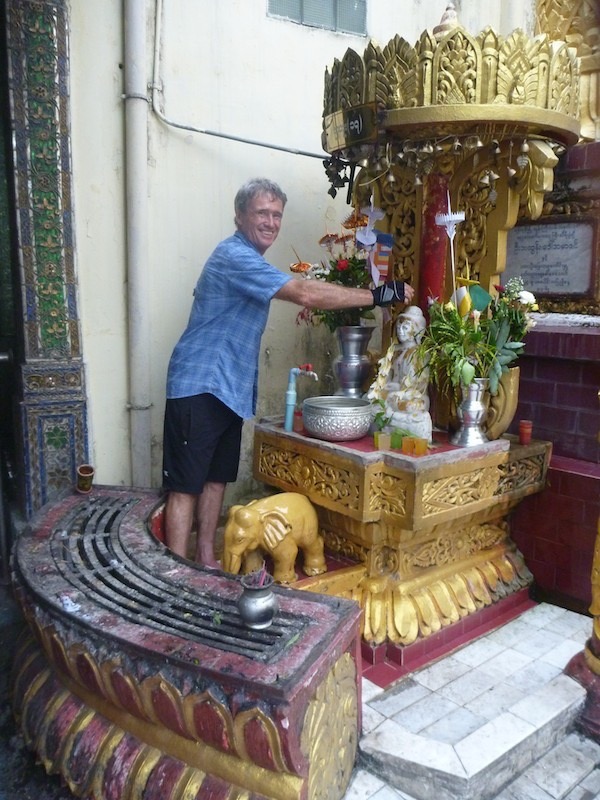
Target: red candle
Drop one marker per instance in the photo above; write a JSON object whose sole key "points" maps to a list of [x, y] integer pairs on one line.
{"points": [[525, 426]]}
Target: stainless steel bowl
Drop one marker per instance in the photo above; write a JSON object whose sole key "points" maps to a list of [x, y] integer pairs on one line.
{"points": [[336, 419]]}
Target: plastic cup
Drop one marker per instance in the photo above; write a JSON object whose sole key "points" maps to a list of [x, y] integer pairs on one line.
{"points": [[382, 440], [420, 446], [408, 446]]}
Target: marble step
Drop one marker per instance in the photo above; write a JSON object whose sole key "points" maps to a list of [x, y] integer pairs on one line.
{"points": [[482, 763], [569, 771]]}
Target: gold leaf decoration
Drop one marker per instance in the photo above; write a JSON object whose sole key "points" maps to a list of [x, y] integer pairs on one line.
{"points": [[329, 737], [459, 490]]}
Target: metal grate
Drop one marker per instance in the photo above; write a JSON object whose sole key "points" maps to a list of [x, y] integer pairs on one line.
{"points": [[88, 551]]}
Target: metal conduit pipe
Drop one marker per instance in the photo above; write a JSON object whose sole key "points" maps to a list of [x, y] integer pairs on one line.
{"points": [[157, 90], [136, 181]]}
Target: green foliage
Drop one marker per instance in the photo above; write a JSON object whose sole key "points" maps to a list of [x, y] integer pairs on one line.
{"points": [[347, 266], [456, 349], [352, 272], [381, 418], [480, 344]]}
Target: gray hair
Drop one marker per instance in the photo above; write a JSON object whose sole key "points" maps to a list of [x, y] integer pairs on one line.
{"points": [[254, 187]]}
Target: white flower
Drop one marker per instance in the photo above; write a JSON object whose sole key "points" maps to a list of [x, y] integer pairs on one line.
{"points": [[527, 298]]}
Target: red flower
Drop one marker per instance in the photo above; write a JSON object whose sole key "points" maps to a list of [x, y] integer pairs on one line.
{"points": [[499, 288], [342, 264], [305, 315]]}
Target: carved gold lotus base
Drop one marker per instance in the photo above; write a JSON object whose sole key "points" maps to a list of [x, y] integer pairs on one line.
{"points": [[102, 750], [429, 535], [403, 611]]}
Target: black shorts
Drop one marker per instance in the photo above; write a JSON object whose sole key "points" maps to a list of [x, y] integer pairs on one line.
{"points": [[202, 440]]}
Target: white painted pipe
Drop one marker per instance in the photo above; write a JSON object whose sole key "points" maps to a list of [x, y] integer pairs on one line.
{"points": [[136, 180]]}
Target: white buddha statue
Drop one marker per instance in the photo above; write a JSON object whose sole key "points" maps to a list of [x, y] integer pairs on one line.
{"points": [[405, 392]]}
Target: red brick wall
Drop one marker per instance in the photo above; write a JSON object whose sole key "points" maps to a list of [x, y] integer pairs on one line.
{"points": [[559, 383], [556, 529]]}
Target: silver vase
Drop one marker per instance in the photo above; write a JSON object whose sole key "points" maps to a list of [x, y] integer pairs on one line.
{"points": [[257, 604], [352, 366], [472, 413]]}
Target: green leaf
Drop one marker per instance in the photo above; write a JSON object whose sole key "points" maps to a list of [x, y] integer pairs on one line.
{"points": [[467, 373], [493, 384], [506, 358], [479, 297], [503, 331]]}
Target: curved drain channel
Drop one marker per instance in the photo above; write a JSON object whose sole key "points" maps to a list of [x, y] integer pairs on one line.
{"points": [[87, 549]]}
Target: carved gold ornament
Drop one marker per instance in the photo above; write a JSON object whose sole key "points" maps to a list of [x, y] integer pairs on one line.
{"points": [[488, 114], [425, 545], [331, 726], [578, 23]]}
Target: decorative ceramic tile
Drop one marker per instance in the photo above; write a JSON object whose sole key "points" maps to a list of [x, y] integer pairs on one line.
{"points": [[54, 436]]}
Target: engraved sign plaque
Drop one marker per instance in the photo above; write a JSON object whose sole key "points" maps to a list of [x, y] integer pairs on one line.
{"points": [[350, 126], [553, 259]]}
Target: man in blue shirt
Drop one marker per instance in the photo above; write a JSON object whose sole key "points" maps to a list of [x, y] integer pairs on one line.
{"points": [[213, 372]]}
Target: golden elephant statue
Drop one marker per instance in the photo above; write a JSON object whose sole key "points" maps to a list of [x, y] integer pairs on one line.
{"points": [[278, 525]]}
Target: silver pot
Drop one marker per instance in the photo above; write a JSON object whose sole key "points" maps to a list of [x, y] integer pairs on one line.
{"points": [[336, 419], [257, 604]]}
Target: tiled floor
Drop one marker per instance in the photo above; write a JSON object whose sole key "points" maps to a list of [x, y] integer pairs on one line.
{"points": [[460, 712]]}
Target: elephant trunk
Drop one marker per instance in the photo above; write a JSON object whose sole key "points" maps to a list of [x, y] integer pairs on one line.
{"points": [[231, 562]]}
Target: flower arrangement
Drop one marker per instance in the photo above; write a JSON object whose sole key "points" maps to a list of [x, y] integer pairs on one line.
{"points": [[347, 264], [478, 336], [513, 303]]}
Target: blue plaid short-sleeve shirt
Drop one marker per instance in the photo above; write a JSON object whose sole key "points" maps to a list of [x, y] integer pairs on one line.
{"points": [[218, 351]]}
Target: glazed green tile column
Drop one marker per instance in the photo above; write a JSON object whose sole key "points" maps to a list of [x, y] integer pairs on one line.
{"points": [[52, 402]]}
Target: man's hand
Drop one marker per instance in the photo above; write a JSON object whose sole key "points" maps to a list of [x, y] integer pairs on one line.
{"points": [[392, 292]]}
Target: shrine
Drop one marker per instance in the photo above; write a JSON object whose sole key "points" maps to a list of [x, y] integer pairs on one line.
{"points": [[428, 535], [137, 670]]}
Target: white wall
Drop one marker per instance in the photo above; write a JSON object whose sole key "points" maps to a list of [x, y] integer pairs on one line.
{"points": [[98, 172], [226, 67]]}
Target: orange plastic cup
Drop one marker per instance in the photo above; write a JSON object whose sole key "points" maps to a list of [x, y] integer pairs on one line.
{"points": [[420, 446], [408, 446]]}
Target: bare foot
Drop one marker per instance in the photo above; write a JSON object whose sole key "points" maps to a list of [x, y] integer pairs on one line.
{"points": [[211, 564]]}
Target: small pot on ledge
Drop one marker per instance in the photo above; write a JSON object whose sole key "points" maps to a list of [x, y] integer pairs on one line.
{"points": [[257, 603]]}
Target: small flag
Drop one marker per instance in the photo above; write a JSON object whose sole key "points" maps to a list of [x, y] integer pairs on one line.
{"points": [[462, 300], [381, 256]]}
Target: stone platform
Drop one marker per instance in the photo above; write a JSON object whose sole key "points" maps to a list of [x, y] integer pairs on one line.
{"points": [[137, 676]]}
